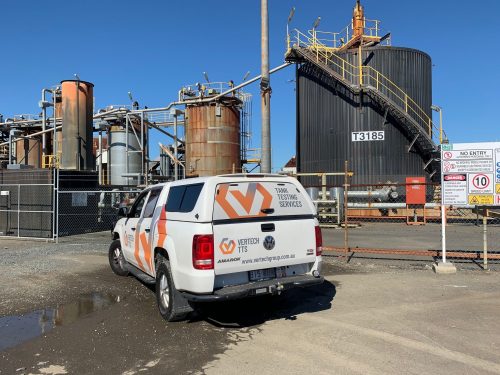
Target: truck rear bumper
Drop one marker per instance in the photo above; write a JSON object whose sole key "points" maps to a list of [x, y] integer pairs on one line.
{"points": [[273, 286]]}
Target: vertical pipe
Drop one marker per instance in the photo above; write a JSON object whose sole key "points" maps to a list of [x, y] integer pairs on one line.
{"points": [[10, 146], [176, 165], [323, 186], [18, 208], [54, 193], [57, 204], [440, 125], [44, 125], [443, 231], [360, 63], [78, 153], [265, 88], [54, 140], [126, 147], [346, 189], [100, 157], [143, 152], [146, 146]]}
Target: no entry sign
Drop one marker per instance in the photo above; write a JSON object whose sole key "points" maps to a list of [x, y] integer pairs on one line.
{"points": [[471, 173]]}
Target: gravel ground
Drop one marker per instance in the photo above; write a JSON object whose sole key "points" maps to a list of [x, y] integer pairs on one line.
{"points": [[379, 316], [31, 271]]}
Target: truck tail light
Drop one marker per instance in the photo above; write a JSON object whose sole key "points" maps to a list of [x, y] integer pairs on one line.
{"points": [[319, 240], [203, 252]]}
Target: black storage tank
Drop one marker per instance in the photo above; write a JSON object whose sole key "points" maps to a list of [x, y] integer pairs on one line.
{"points": [[328, 113]]}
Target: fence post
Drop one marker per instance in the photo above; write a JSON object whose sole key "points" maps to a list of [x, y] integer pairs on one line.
{"points": [[485, 239], [346, 230], [18, 209], [56, 210]]}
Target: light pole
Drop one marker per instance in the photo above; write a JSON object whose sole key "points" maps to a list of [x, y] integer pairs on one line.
{"points": [[440, 110], [265, 91], [315, 25]]}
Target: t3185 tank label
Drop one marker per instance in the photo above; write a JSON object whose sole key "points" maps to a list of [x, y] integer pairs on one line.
{"points": [[378, 135]]}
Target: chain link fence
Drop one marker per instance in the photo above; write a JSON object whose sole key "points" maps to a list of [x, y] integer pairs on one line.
{"points": [[404, 220], [43, 205], [27, 204], [87, 211], [27, 210]]}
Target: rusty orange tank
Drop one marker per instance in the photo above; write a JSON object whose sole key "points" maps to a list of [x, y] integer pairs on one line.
{"points": [[213, 138], [29, 151], [77, 108]]}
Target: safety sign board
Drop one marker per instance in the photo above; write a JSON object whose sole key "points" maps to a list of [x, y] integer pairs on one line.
{"points": [[470, 174]]}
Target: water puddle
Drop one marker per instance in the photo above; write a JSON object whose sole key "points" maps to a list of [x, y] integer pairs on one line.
{"points": [[17, 329]]}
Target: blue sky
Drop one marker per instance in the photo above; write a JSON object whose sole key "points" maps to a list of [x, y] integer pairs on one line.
{"points": [[152, 48]]}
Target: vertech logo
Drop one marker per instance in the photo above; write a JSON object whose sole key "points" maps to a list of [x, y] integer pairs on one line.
{"points": [[227, 246], [237, 204]]}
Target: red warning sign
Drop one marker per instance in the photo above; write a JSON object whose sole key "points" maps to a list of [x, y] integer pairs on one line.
{"points": [[455, 177]]}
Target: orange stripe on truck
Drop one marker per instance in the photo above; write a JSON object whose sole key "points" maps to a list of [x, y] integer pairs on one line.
{"points": [[137, 251], [147, 249]]}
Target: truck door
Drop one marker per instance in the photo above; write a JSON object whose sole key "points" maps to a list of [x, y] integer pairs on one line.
{"points": [[130, 240], [261, 225], [144, 234]]}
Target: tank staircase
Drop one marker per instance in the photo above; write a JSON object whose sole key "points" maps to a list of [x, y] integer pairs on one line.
{"points": [[363, 79]]}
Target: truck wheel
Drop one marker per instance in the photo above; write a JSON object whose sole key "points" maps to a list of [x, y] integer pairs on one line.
{"points": [[116, 259], [172, 305]]}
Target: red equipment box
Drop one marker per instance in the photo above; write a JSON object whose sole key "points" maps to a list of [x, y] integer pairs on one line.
{"points": [[415, 190]]}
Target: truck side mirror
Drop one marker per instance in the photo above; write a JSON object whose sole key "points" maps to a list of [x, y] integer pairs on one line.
{"points": [[123, 212]]}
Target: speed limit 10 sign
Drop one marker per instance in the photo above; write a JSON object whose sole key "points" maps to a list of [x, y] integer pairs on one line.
{"points": [[480, 183]]}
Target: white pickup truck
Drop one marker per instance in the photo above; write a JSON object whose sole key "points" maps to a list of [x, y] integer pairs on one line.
{"points": [[219, 238]]}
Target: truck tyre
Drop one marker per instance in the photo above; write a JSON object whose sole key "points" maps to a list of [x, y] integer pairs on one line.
{"points": [[116, 259], [172, 305]]}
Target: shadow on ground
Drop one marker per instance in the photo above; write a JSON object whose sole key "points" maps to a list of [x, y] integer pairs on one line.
{"points": [[257, 310]]}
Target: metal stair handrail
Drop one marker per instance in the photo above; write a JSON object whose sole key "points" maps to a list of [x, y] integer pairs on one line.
{"points": [[364, 76]]}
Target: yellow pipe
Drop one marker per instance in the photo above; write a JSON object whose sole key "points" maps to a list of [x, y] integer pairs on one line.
{"points": [[360, 63]]}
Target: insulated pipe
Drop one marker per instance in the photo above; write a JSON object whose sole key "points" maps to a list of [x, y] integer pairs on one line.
{"points": [[44, 124], [381, 205], [27, 136], [383, 194], [10, 122], [54, 139], [205, 100], [11, 134], [100, 157], [176, 152]]}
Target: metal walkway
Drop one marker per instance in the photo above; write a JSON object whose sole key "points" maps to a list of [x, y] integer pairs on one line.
{"points": [[363, 79]]}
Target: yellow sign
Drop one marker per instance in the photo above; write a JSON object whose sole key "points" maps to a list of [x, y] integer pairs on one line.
{"points": [[498, 188], [480, 199]]}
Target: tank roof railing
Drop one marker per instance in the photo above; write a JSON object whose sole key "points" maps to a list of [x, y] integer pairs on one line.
{"points": [[341, 39], [207, 89]]}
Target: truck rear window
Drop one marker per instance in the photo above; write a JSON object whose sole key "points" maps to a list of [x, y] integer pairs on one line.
{"points": [[183, 198], [259, 199]]}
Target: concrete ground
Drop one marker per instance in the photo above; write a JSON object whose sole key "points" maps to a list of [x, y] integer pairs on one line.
{"points": [[377, 235], [62, 311]]}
